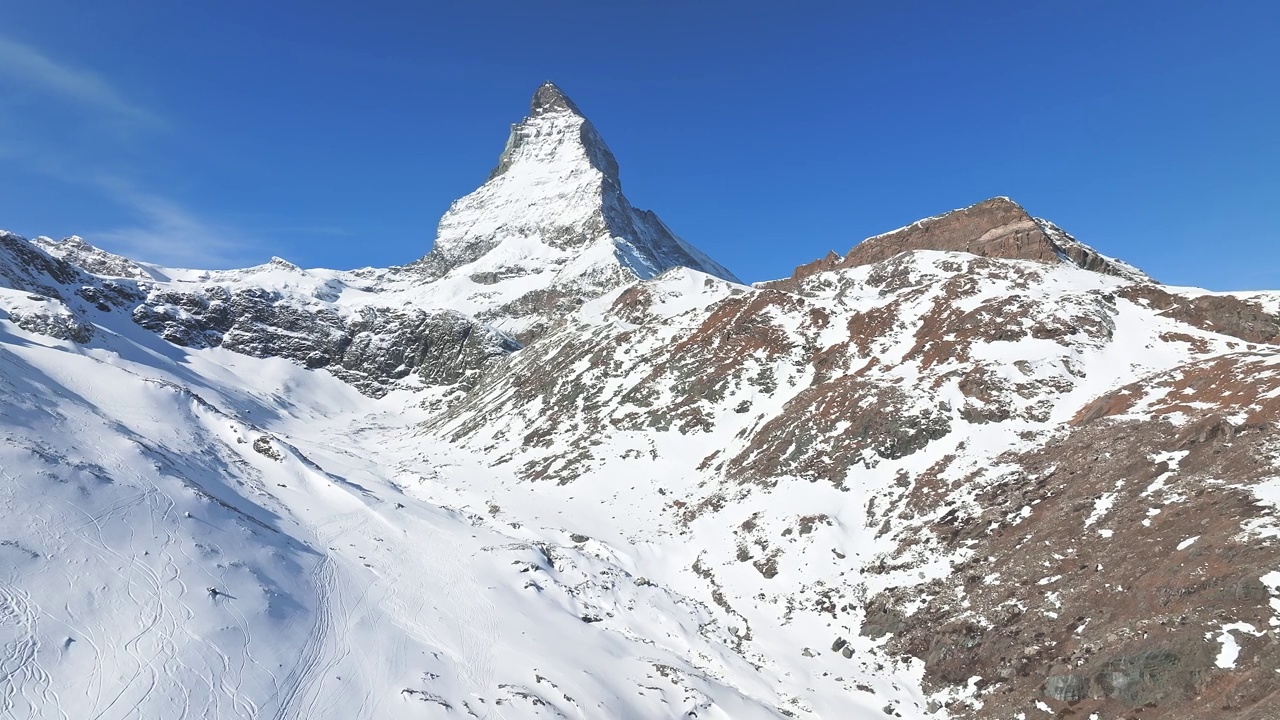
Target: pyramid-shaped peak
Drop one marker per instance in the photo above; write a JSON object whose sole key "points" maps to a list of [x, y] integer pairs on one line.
{"points": [[549, 98], [550, 228]]}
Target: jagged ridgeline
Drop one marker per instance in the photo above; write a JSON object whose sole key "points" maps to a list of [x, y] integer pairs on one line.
{"points": [[566, 465]]}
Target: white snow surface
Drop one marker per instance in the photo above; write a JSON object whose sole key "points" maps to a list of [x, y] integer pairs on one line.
{"points": [[1230, 651], [552, 218], [137, 476]]}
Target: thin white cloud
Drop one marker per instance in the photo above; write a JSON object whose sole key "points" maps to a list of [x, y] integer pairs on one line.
{"points": [[162, 231], [168, 234], [28, 66]]}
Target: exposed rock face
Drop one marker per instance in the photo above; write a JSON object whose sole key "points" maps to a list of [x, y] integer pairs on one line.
{"points": [[549, 231], [1139, 538], [955, 396], [860, 366], [1224, 314], [45, 294], [370, 348], [52, 318], [25, 267], [93, 260], [440, 348], [996, 228]]}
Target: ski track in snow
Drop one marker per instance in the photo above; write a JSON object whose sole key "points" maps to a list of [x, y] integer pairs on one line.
{"points": [[442, 586], [465, 599], [311, 663], [328, 643], [27, 687]]}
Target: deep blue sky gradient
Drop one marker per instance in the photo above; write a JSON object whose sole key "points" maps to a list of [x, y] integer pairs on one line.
{"points": [[336, 133]]}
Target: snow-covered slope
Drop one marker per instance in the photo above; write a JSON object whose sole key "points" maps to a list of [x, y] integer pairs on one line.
{"points": [[973, 469], [137, 478]]}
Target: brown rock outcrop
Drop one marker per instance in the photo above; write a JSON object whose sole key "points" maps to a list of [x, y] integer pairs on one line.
{"points": [[995, 228]]}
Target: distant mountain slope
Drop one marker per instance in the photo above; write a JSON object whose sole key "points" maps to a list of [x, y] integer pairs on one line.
{"points": [[997, 228]]}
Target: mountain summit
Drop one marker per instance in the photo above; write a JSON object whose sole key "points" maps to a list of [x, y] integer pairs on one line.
{"points": [[999, 228], [550, 98], [551, 228], [994, 228]]}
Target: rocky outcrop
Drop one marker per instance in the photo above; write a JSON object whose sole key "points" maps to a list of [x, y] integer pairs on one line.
{"points": [[936, 390], [438, 348], [1224, 314], [52, 318], [91, 259], [371, 347], [995, 228], [864, 366], [24, 266], [53, 297]]}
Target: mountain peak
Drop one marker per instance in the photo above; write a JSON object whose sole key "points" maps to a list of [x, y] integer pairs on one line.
{"points": [[549, 98], [550, 228], [998, 228], [555, 135], [77, 251]]}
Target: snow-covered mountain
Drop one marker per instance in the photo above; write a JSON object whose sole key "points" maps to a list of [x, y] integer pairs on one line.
{"points": [[567, 466], [551, 227]]}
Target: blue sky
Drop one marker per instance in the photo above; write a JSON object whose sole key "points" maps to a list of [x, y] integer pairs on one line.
{"points": [[336, 133]]}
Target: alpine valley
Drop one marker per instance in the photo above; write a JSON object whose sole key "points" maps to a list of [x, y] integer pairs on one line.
{"points": [[567, 466]]}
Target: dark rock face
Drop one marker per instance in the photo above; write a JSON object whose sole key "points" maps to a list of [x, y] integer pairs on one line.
{"points": [[371, 349], [93, 260], [548, 99], [992, 228], [1067, 688], [441, 348], [1156, 676], [23, 266], [845, 405], [186, 318], [262, 445], [61, 296], [54, 323], [850, 421], [1215, 313]]}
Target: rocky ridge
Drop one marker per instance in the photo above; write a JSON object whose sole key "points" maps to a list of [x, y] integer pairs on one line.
{"points": [[997, 228]]}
